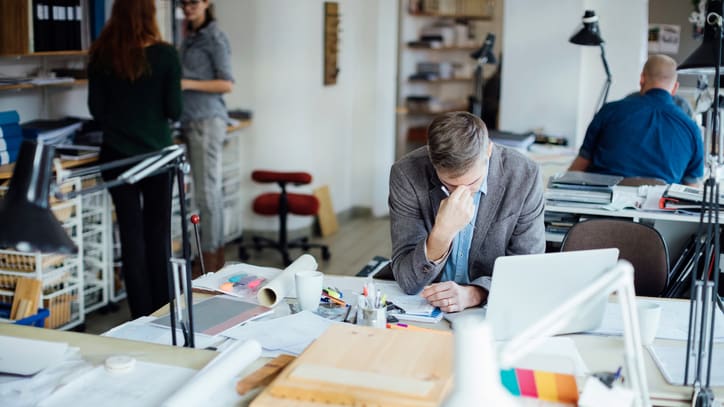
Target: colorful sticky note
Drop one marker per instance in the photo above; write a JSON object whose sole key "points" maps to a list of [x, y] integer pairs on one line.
{"points": [[546, 385], [526, 382], [510, 382], [567, 388]]}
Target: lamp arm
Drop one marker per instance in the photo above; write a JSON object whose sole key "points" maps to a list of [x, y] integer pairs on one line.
{"points": [[607, 84], [151, 164], [617, 279], [63, 174]]}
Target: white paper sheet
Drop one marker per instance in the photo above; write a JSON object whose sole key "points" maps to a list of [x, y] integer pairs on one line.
{"points": [[674, 323], [18, 391], [147, 384], [143, 330], [670, 358], [291, 334], [23, 356], [283, 285], [215, 384]]}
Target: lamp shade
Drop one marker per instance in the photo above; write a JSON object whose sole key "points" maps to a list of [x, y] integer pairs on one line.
{"points": [[589, 34], [485, 52], [27, 222], [703, 59]]}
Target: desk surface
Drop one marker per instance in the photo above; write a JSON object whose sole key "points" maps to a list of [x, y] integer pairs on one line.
{"points": [[600, 353], [95, 349]]}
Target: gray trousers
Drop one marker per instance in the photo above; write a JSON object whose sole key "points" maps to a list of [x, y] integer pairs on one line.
{"points": [[206, 142]]}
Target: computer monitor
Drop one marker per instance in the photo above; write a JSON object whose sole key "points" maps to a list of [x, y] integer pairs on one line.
{"points": [[527, 287]]}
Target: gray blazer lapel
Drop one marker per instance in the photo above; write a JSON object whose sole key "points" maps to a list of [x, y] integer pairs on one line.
{"points": [[491, 201], [436, 195]]}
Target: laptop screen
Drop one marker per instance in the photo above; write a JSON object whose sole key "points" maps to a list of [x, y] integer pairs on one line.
{"points": [[525, 288]]}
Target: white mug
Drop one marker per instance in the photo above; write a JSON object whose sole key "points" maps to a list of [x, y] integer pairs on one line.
{"points": [[649, 314], [309, 289]]}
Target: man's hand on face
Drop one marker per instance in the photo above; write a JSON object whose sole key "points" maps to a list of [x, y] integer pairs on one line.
{"points": [[455, 212]]}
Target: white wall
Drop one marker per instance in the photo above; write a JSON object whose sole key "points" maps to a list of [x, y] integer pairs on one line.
{"points": [[552, 85], [342, 134]]}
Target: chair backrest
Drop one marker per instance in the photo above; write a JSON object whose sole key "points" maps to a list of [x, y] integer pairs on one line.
{"points": [[640, 244], [638, 181]]}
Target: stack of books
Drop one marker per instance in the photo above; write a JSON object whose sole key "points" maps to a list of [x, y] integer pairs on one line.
{"points": [[683, 197], [54, 132], [11, 136], [582, 188], [520, 141]]}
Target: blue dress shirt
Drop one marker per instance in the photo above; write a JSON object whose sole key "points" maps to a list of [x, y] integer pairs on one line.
{"points": [[647, 136], [456, 267]]}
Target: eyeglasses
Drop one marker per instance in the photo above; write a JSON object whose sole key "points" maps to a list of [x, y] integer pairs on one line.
{"points": [[189, 3]]}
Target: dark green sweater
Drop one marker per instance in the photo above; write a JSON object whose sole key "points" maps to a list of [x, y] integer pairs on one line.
{"points": [[134, 115]]}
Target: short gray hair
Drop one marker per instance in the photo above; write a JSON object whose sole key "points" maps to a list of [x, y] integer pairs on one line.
{"points": [[455, 141]]}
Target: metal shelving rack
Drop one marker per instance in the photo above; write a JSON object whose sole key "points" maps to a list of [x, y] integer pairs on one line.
{"points": [[62, 276]]}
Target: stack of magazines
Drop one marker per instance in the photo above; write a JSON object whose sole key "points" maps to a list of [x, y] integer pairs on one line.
{"points": [[683, 197], [581, 187]]}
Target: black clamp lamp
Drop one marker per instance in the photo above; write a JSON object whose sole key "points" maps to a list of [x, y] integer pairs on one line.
{"points": [[28, 224], [482, 56], [590, 35], [704, 297]]}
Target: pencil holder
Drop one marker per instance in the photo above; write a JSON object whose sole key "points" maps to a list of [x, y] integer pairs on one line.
{"points": [[376, 317]]}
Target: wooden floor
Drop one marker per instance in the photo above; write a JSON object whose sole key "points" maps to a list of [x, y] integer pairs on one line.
{"points": [[352, 247]]}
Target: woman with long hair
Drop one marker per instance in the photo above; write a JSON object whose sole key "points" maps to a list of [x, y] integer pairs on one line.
{"points": [[205, 56], [134, 89]]}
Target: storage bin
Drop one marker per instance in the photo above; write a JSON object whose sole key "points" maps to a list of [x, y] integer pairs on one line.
{"points": [[34, 320]]}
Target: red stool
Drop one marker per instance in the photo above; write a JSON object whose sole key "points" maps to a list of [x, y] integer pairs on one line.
{"points": [[281, 204]]}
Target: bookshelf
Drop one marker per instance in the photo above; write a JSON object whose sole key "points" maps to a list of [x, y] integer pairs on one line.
{"points": [[435, 70]]}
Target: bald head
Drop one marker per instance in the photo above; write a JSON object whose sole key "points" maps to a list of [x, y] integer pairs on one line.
{"points": [[659, 72]]}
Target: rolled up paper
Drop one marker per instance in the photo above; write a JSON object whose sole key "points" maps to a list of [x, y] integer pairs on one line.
{"points": [[283, 285], [218, 374]]}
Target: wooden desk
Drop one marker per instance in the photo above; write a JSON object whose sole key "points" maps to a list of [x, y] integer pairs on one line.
{"points": [[6, 170], [600, 353], [95, 349], [675, 228]]}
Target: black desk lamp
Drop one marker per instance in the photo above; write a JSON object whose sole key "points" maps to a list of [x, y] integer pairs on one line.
{"points": [[706, 59], [590, 35], [482, 56], [28, 224]]}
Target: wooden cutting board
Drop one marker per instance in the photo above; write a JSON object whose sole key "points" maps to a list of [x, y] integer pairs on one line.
{"points": [[357, 365]]}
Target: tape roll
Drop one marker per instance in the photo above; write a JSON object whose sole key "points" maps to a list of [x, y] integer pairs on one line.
{"points": [[120, 364]]}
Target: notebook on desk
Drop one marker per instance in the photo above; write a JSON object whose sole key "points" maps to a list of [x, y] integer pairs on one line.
{"points": [[526, 288]]}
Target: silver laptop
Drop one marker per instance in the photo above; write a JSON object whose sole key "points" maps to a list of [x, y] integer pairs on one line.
{"points": [[526, 288]]}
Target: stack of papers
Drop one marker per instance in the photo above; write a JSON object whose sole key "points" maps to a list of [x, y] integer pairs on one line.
{"points": [[291, 334]]}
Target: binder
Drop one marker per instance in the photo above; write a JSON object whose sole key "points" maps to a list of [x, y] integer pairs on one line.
{"points": [[97, 17], [9, 117]]}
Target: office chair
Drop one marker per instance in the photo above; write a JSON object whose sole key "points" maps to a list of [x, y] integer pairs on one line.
{"points": [[638, 181], [640, 244], [281, 204]]}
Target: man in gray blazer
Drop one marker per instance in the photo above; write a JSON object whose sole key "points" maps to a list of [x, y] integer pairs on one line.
{"points": [[455, 206]]}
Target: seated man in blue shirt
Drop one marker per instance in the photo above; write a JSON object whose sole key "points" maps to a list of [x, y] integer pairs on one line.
{"points": [[645, 135]]}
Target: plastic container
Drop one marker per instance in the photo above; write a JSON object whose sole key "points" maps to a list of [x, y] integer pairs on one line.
{"points": [[33, 320]]}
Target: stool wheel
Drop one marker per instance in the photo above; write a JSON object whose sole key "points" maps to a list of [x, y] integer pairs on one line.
{"points": [[257, 243], [325, 253]]}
